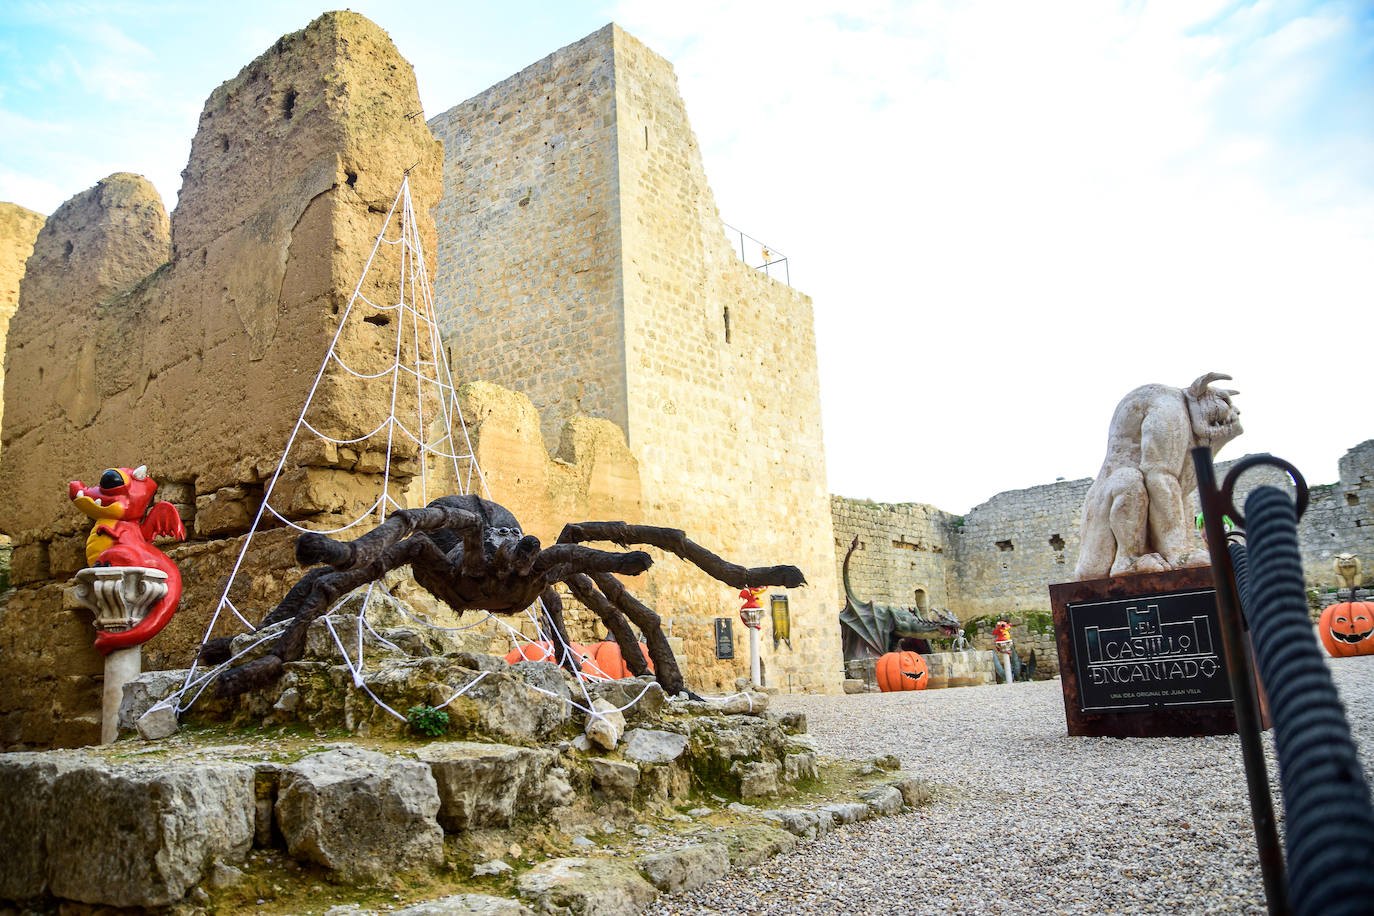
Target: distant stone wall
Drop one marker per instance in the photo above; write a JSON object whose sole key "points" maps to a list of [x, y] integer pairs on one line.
{"points": [[903, 554], [18, 230], [1002, 556]]}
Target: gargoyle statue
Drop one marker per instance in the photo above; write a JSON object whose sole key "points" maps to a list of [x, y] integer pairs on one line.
{"points": [[868, 629], [1133, 518], [1347, 567]]}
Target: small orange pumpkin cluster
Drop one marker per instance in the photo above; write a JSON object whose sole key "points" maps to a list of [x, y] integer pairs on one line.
{"points": [[602, 659], [1347, 628]]}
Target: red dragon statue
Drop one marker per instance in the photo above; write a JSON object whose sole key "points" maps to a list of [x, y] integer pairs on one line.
{"points": [[126, 521]]}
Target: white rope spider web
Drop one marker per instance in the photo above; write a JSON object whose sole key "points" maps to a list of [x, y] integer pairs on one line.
{"points": [[419, 362]]}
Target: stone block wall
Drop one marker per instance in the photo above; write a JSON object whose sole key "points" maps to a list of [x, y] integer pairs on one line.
{"points": [[1010, 548], [583, 263], [18, 230], [529, 266], [902, 557], [1002, 556]]}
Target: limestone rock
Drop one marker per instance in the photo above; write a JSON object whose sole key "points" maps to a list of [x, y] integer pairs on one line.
{"points": [[848, 812], [466, 905], [648, 745], [143, 836], [751, 844], [685, 868], [915, 791], [853, 685], [589, 887], [614, 777], [806, 823], [26, 784], [757, 778], [157, 723], [146, 690], [360, 814], [605, 727], [640, 699], [883, 800], [745, 703], [799, 766], [487, 785]]}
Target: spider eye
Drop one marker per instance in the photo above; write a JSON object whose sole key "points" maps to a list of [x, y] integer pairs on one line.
{"points": [[111, 480]]}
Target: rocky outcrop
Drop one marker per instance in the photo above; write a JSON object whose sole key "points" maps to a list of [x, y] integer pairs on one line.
{"points": [[488, 785], [360, 814], [119, 835]]}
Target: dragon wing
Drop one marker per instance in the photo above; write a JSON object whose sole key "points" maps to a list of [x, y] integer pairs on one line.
{"points": [[162, 519]]}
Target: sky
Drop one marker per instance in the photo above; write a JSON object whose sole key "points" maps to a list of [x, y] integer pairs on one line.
{"points": [[1008, 215]]}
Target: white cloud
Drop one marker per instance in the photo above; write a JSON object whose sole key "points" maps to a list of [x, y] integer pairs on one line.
{"points": [[1022, 211]]}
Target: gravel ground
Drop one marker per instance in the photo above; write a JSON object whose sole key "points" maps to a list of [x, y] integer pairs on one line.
{"points": [[1033, 821]]}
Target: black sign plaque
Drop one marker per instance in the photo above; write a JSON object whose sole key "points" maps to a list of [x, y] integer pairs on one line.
{"points": [[725, 638], [1149, 652]]}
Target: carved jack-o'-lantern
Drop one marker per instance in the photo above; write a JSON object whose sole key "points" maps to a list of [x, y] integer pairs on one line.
{"points": [[902, 671], [1347, 628]]}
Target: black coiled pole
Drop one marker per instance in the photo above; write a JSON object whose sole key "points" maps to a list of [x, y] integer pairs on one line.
{"points": [[1328, 815]]}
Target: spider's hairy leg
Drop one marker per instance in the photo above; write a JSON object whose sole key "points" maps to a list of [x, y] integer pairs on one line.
{"points": [[313, 548], [665, 665], [309, 599], [675, 540], [615, 622], [560, 561]]}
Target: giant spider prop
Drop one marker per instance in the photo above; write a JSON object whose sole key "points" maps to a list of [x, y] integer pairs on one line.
{"points": [[471, 554]]}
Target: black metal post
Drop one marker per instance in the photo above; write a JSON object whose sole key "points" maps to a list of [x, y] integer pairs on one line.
{"points": [[1242, 687]]}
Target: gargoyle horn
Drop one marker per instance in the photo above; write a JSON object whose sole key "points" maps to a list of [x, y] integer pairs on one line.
{"points": [[1199, 387]]}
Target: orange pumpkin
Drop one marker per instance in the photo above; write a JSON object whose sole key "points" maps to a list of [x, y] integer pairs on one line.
{"points": [[541, 651], [1347, 628], [902, 671], [605, 659]]}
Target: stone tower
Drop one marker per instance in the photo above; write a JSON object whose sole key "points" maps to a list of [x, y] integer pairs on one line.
{"points": [[582, 262]]}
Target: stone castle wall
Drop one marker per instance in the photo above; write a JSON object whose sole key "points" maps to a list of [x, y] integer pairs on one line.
{"points": [[18, 229], [531, 224], [903, 555], [577, 187], [1002, 556], [196, 342]]}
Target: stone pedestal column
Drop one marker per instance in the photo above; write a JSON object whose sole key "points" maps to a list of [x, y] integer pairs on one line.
{"points": [[119, 596]]}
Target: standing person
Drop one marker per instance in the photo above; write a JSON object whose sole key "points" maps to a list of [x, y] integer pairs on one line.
{"points": [[1001, 643]]}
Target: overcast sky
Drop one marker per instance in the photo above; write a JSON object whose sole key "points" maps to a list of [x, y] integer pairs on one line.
{"points": [[1008, 214]]}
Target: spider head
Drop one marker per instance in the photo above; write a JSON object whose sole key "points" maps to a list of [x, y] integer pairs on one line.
{"points": [[496, 540]]}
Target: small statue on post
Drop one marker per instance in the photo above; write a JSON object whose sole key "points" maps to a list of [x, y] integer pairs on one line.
{"points": [[132, 587], [752, 616], [1001, 643]]}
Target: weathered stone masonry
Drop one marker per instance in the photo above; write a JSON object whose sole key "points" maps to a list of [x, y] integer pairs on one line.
{"points": [[1004, 554], [582, 262]]}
